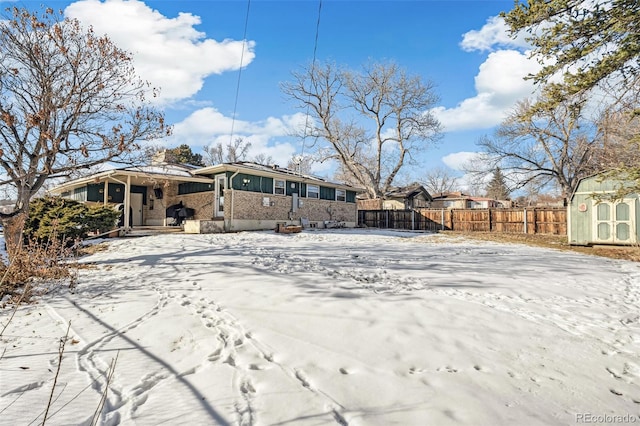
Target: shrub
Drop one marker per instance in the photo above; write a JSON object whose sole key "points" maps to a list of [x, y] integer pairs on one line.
{"points": [[66, 219], [48, 263]]}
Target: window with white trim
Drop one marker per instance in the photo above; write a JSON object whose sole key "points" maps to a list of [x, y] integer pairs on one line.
{"points": [[278, 186], [313, 191], [341, 195]]}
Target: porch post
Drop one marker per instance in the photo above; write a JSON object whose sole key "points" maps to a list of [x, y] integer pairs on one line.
{"points": [[105, 197], [127, 203]]}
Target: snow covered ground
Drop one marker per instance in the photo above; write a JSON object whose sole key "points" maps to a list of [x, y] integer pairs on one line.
{"points": [[357, 327]]}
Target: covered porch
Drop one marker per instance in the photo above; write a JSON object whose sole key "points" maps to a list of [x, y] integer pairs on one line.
{"points": [[149, 197]]}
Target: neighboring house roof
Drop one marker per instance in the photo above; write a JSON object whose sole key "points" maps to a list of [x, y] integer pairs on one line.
{"points": [[452, 196], [273, 171], [408, 192]]}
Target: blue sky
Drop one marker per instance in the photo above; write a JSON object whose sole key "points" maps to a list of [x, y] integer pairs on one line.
{"points": [[192, 50]]}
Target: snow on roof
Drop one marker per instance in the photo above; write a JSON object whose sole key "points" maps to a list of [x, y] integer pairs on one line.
{"points": [[162, 169]]}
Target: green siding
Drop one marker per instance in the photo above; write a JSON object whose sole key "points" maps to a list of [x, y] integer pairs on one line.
{"points": [[293, 187], [266, 186], [327, 193], [194, 187], [252, 183], [581, 223], [116, 192], [94, 192]]}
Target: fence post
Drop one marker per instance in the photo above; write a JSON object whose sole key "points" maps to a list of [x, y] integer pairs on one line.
{"points": [[413, 220], [451, 218], [442, 219], [490, 230], [525, 220], [387, 218]]}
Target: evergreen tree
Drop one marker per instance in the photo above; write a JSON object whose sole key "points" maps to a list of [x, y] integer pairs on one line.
{"points": [[497, 188], [184, 155], [587, 43]]}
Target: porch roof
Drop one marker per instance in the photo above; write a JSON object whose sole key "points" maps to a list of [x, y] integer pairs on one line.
{"points": [[143, 176]]}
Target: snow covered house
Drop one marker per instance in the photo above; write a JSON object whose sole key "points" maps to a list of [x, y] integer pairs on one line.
{"points": [[220, 198], [597, 215]]}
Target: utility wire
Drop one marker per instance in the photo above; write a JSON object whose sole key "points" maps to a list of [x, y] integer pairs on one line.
{"points": [[313, 67], [244, 42]]}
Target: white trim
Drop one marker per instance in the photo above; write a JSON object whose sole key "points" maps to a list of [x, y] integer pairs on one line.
{"points": [[317, 192], [216, 205], [613, 221], [284, 186]]}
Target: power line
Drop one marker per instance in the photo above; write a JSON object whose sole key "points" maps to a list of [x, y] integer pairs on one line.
{"points": [[244, 42], [313, 66]]}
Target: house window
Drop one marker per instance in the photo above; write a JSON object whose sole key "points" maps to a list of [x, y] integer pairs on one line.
{"points": [[341, 195], [313, 191], [278, 186]]}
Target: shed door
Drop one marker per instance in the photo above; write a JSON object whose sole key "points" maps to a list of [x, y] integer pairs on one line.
{"points": [[614, 222]]}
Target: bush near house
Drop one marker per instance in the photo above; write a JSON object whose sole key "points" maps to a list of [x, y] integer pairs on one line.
{"points": [[68, 220], [53, 226]]}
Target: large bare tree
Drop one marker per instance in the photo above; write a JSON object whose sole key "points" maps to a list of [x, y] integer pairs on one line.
{"points": [[373, 120], [69, 100], [538, 146]]}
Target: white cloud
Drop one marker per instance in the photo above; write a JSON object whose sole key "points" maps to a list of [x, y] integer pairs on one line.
{"points": [[168, 52], [207, 126], [499, 85], [494, 32], [457, 160]]}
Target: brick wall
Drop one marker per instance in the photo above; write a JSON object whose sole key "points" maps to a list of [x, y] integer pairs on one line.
{"points": [[255, 206], [201, 202]]}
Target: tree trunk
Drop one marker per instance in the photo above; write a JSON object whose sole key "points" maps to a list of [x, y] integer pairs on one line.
{"points": [[13, 227]]}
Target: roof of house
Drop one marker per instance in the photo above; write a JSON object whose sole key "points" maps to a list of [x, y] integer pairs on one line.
{"points": [[274, 171], [175, 172], [452, 196], [407, 192], [186, 173]]}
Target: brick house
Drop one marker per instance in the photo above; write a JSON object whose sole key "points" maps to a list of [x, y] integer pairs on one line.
{"points": [[220, 198]]}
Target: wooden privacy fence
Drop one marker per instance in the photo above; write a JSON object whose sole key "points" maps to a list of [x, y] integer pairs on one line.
{"points": [[539, 220]]}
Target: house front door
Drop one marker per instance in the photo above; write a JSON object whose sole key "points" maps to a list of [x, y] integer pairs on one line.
{"points": [[136, 209], [219, 201], [614, 222]]}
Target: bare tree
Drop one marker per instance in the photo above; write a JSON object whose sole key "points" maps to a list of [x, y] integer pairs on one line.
{"points": [[538, 146], [233, 152], [302, 164], [440, 180], [263, 159], [373, 120], [68, 100]]}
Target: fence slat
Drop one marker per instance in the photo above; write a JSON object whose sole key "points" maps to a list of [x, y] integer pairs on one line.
{"points": [[539, 220]]}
